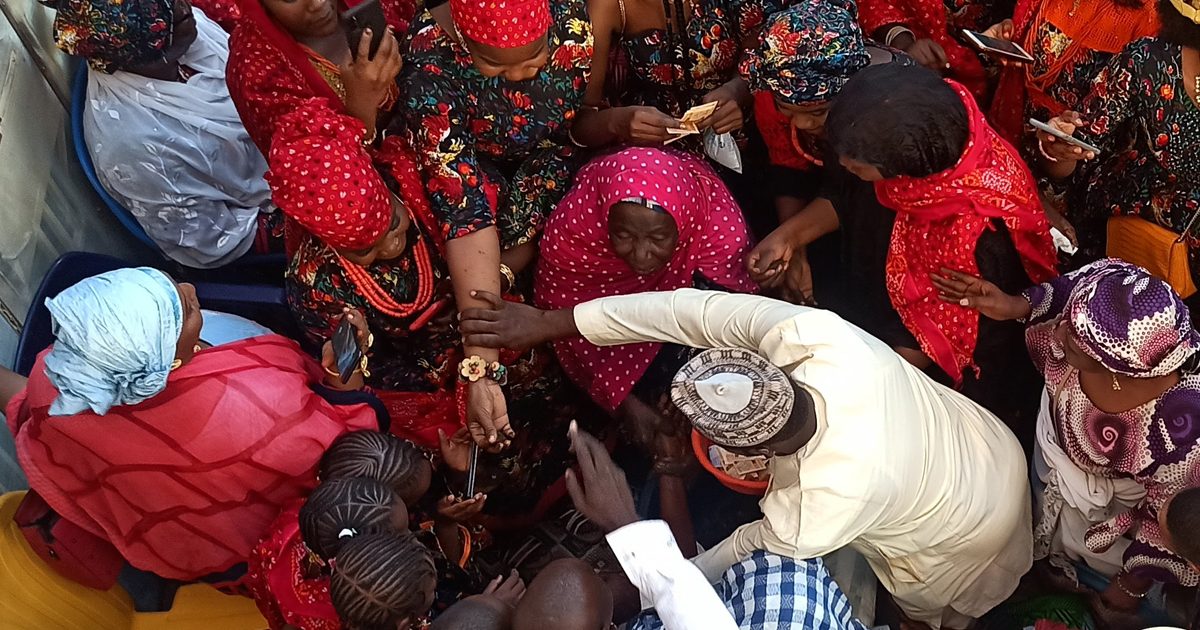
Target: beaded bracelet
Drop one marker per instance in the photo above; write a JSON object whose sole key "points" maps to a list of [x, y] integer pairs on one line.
{"points": [[473, 368]]}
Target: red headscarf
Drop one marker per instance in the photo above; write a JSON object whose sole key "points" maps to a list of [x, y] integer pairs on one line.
{"points": [[939, 220], [578, 263], [501, 23], [321, 186]]}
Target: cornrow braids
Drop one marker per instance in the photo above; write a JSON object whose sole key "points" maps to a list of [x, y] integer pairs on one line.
{"points": [[343, 508], [380, 456], [381, 580]]}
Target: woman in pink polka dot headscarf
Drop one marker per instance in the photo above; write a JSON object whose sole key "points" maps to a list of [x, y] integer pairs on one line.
{"points": [[643, 219]]}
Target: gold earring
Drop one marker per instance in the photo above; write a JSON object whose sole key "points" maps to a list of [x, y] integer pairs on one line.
{"points": [[196, 348], [1116, 383], [175, 364]]}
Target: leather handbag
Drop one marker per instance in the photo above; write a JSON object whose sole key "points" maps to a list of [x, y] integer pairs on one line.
{"points": [[73, 552], [1156, 249]]}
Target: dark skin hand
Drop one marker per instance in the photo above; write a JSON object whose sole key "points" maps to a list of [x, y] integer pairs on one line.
{"points": [[329, 359], [599, 489], [970, 291], [11, 384], [509, 590], [732, 96], [513, 326]]}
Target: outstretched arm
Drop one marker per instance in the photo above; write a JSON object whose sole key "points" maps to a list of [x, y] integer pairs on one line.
{"points": [[700, 319]]}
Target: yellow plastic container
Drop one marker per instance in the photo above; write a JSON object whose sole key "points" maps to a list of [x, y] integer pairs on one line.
{"points": [[34, 597]]}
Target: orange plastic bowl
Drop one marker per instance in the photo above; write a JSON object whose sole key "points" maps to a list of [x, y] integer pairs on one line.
{"points": [[700, 446]]}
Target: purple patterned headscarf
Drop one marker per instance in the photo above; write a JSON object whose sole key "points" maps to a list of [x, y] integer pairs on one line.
{"points": [[1130, 321]]}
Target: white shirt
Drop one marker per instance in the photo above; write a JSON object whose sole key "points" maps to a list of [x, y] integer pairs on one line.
{"points": [[671, 585], [177, 156], [927, 485]]}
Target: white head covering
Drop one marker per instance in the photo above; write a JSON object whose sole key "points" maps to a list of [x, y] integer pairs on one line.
{"points": [[114, 340], [734, 397]]}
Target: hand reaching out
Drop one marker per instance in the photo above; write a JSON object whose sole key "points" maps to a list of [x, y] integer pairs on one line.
{"points": [[456, 449], [599, 490], [512, 325], [461, 510], [973, 292], [508, 590]]}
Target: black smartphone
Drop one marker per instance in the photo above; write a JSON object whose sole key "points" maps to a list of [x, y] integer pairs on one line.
{"points": [[360, 17], [469, 488], [346, 349], [998, 46]]}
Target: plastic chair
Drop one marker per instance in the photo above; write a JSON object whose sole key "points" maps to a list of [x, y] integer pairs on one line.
{"points": [[263, 304], [37, 598], [78, 104]]}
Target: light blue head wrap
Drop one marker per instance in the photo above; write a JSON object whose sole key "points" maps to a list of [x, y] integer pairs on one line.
{"points": [[115, 337]]}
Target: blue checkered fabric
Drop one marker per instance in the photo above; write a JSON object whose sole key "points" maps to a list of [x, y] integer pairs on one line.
{"points": [[770, 592]]}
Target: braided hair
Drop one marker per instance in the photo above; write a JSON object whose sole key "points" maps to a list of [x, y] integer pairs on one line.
{"points": [[385, 458], [340, 509], [382, 579], [903, 120]]}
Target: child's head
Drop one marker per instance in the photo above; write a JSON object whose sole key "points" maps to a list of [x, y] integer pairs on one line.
{"points": [[479, 612], [394, 462], [569, 580], [1179, 522], [383, 581], [340, 509]]}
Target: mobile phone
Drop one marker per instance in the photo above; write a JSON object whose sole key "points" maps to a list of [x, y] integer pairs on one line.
{"points": [[346, 349], [997, 46], [360, 17], [1071, 140], [469, 489]]}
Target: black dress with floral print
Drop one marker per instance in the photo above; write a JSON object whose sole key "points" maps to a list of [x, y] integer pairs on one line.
{"points": [[1148, 129], [542, 401], [673, 80], [493, 152]]}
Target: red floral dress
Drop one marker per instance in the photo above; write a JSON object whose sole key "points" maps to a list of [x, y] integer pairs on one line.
{"points": [[289, 586]]}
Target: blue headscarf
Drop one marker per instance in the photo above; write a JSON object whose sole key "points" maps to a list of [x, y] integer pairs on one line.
{"points": [[115, 337]]}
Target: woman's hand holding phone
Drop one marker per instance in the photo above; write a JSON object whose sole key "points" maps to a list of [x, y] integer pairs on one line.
{"points": [[367, 79], [1004, 30], [329, 360], [1058, 150]]}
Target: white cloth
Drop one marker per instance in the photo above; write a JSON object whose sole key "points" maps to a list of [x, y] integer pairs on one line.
{"points": [[668, 583], [1074, 500], [928, 486], [177, 156]]}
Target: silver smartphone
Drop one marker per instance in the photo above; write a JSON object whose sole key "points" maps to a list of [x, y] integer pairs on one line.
{"points": [[1071, 140], [994, 46]]}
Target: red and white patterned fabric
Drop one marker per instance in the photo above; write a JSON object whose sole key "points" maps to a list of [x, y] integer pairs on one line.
{"points": [[275, 84], [939, 220], [185, 484], [501, 23]]}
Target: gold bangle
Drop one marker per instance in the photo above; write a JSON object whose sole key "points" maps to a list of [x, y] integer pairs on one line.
{"points": [[362, 368], [508, 275]]}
